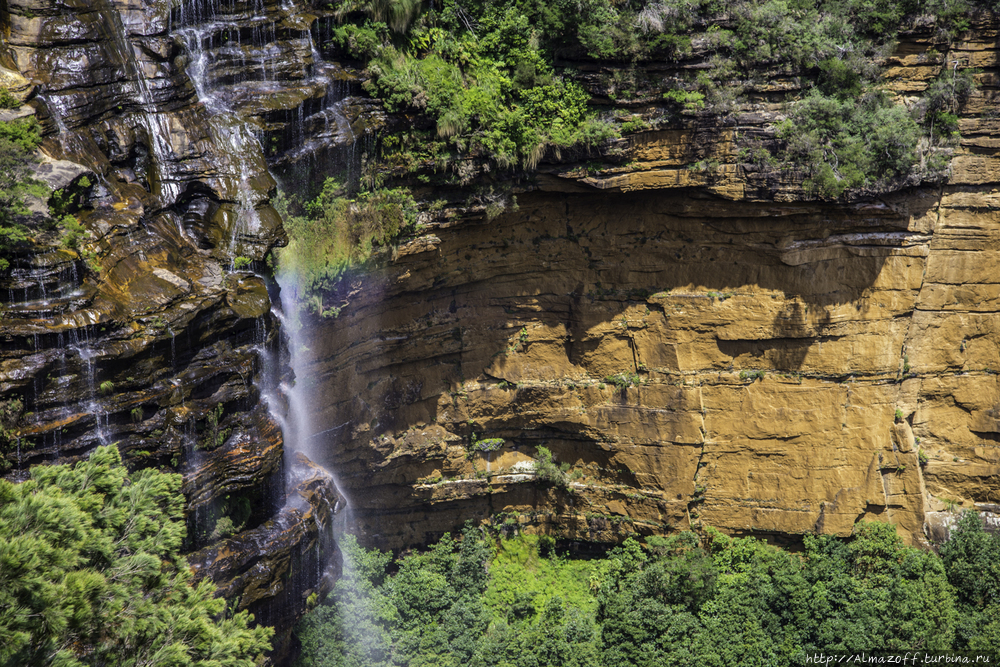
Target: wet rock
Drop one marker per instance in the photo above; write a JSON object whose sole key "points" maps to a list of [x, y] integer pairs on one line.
{"points": [[141, 333]]}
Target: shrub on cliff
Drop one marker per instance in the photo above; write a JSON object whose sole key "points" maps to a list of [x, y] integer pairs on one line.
{"points": [[550, 472], [850, 143], [18, 141], [90, 574], [496, 97], [485, 73], [335, 231]]}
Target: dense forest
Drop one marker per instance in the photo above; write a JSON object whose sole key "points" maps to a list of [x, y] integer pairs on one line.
{"points": [[683, 600]]}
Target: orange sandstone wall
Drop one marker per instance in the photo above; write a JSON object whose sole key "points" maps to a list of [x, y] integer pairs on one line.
{"points": [[790, 357]]}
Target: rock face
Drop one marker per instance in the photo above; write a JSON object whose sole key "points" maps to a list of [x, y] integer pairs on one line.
{"points": [[700, 341], [700, 347], [154, 330]]}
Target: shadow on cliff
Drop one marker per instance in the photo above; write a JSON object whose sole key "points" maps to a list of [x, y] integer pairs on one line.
{"points": [[573, 291]]}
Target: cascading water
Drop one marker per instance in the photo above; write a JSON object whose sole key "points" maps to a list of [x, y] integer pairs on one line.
{"points": [[163, 183], [234, 60]]}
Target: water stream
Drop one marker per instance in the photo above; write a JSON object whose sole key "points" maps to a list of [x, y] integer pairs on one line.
{"points": [[164, 182], [233, 63]]}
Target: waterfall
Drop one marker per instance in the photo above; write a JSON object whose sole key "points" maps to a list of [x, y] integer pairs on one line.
{"points": [[164, 183], [235, 57]]}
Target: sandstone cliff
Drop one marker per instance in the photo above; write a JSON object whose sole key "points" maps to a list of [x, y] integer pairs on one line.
{"points": [[702, 342]]}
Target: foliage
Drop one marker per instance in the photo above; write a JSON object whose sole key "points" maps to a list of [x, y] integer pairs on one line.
{"points": [[623, 380], [850, 143], [7, 100], [23, 133], [457, 603], [11, 414], [480, 104], [360, 41], [547, 471], [18, 141], [481, 71], [230, 518], [334, 232], [680, 600], [972, 559], [90, 574], [487, 444], [430, 607], [690, 101], [214, 436], [397, 13], [484, 71]]}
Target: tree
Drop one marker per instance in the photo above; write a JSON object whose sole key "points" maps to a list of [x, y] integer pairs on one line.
{"points": [[90, 574], [972, 560], [18, 141]]}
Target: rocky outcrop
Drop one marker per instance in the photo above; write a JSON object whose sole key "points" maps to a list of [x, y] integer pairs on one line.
{"points": [[154, 329], [700, 342]]}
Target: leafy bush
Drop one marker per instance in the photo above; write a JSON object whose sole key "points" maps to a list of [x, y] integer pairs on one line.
{"points": [[91, 574], [335, 232], [848, 143], [484, 106], [487, 444], [547, 471], [8, 101], [18, 141], [623, 380], [11, 414]]}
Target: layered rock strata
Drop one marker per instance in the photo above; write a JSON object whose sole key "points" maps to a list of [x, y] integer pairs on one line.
{"points": [[154, 331], [701, 342]]}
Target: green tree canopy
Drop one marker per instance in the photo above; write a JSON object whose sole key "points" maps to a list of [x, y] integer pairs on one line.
{"points": [[90, 574]]}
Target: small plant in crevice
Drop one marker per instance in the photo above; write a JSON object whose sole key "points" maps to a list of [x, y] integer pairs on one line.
{"points": [[520, 343], [232, 517], [922, 457], [7, 100], [214, 436], [11, 415], [106, 387], [898, 416], [753, 375], [623, 380], [486, 444]]}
